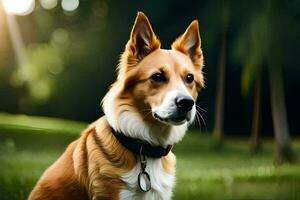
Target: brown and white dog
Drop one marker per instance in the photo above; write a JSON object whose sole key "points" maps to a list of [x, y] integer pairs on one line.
{"points": [[153, 102]]}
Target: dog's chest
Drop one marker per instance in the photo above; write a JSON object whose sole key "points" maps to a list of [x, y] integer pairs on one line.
{"points": [[161, 182]]}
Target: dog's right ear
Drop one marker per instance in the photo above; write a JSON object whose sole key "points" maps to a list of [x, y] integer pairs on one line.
{"points": [[142, 40]]}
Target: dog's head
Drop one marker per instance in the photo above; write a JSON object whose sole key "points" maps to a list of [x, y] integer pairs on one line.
{"points": [[156, 87]]}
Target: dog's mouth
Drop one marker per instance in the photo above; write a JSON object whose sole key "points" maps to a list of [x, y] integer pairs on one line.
{"points": [[172, 120]]}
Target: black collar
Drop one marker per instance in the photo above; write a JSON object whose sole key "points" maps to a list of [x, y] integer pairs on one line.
{"points": [[138, 146]]}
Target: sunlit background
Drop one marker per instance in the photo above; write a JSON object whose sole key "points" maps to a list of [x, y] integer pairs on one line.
{"points": [[58, 58], [54, 55]]}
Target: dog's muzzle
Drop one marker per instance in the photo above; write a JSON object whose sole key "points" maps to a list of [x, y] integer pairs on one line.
{"points": [[178, 112]]}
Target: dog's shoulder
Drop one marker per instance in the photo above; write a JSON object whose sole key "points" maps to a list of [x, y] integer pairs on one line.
{"points": [[99, 158]]}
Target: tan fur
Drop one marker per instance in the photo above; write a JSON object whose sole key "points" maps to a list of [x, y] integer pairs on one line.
{"points": [[195, 52], [92, 166], [83, 167], [137, 48]]}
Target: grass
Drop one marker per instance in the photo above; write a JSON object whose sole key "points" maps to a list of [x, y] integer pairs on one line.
{"points": [[29, 144], [233, 172]]}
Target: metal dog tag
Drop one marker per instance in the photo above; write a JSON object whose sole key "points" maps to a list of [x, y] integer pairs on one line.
{"points": [[144, 181]]}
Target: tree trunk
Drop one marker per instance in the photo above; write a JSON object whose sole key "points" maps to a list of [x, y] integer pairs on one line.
{"points": [[219, 106], [284, 152], [256, 117]]}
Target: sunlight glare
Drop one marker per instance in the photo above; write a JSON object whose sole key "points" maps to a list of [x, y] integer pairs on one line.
{"points": [[48, 4], [69, 5], [19, 7]]}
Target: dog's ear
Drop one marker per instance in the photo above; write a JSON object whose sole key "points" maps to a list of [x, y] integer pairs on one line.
{"points": [[142, 39], [189, 43]]}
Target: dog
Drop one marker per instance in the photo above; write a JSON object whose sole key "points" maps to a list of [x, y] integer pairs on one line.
{"points": [[126, 154]]}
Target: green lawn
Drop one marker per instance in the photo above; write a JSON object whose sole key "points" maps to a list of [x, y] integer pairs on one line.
{"points": [[29, 144]]}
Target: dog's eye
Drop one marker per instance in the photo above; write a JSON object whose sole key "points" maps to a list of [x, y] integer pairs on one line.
{"points": [[189, 78], [158, 77]]}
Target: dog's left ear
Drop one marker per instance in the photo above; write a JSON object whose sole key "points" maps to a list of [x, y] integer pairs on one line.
{"points": [[142, 38], [189, 43]]}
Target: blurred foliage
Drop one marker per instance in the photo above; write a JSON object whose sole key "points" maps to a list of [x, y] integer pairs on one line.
{"points": [[72, 55], [263, 42], [39, 75], [252, 57]]}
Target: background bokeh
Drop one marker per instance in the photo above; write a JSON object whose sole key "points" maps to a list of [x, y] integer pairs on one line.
{"points": [[72, 56]]}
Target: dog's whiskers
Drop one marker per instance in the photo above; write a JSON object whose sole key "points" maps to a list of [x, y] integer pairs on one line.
{"points": [[199, 116], [197, 120]]}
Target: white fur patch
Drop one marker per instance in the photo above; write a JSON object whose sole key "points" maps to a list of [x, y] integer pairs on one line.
{"points": [[132, 125], [109, 106], [161, 182]]}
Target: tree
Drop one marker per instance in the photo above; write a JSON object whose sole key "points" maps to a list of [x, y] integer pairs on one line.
{"points": [[284, 152], [219, 104], [264, 40], [256, 116]]}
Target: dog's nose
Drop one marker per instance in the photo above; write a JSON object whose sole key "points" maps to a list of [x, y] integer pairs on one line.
{"points": [[184, 103]]}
